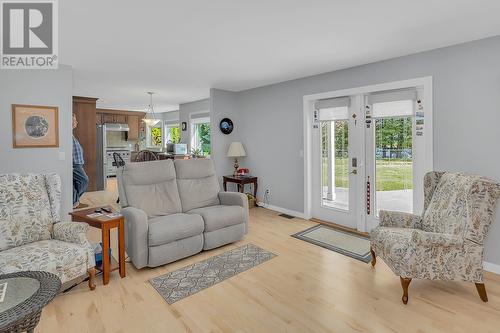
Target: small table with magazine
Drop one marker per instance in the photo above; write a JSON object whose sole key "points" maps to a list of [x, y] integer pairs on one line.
{"points": [[105, 218]]}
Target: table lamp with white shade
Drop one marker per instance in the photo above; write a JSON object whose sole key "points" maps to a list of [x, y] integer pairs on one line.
{"points": [[236, 150]]}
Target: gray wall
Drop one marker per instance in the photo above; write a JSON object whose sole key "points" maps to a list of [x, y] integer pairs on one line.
{"points": [[224, 104], [184, 111], [466, 118], [170, 116], [38, 87]]}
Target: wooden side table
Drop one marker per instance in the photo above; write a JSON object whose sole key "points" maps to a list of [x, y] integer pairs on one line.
{"points": [[106, 224], [241, 181]]}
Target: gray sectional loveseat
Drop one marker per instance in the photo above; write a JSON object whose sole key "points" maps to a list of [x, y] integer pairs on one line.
{"points": [[175, 209]]}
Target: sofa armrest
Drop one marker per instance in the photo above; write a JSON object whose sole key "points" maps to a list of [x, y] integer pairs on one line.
{"points": [[399, 220], [236, 199], [71, 232], [425, 238], [136, 235], [233, 199], [75, 232]]}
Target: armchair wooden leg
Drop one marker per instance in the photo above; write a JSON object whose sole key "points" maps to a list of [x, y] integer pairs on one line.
{"points": [[374, 258], [91, 272], [481, 290], [405, 283]]}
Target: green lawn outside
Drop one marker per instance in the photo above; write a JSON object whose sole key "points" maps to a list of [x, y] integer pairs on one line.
{"points": [[392, 174]]}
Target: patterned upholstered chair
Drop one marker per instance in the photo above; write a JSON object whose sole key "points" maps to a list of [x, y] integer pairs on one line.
{"points": [[447, 241], [32, 236]]}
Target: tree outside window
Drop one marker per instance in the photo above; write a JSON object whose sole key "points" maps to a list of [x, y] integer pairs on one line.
{"points": [[204, 137], [154, 136], [173, 134], [200, 136]]}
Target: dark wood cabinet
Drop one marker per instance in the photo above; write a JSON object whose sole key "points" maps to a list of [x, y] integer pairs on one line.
{"points": [[133, 124], [108, 118], [114, 118], [98, 119], [84, 109], [120, 118]]}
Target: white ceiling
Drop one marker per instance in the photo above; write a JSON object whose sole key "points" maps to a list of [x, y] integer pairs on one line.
{"points": [[182, 48]]}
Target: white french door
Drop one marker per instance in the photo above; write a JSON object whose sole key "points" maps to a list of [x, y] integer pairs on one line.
{"points": [[394, 152], [336, 150], [369, 152]]}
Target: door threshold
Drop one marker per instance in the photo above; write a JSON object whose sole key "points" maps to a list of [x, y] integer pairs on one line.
{"points": [[340, 227]]}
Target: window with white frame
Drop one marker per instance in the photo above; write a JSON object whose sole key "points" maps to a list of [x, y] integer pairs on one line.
{"points": [[172, 132], [200, 134], [154, 135]]}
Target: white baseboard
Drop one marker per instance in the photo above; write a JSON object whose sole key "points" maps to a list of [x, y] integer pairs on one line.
{"points": [[487, 266], [490, 267], [282, 210]]}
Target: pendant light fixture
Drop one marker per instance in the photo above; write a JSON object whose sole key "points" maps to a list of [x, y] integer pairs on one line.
{"points": [[150, 117]]}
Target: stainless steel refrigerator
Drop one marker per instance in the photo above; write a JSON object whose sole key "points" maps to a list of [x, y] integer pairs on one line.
{"points": [[101, 159]]}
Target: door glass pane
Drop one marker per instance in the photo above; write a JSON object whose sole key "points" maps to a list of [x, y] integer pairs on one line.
{"points": [[173, 134], [394, 164], [335, 164], [200, 139]]}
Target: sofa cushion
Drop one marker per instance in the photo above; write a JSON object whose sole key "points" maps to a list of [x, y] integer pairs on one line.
{"points": [[220, 216], [197, 183], [151, 186], [447, 210], [169, 228], [66, 260], [25, 211]]}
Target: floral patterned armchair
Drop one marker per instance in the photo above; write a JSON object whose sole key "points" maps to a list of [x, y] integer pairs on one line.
{"points": [[447, 241], [32, 236]]}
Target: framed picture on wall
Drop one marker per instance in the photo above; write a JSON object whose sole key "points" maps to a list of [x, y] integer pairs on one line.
{"points": [[35, 126], [184, 126]]}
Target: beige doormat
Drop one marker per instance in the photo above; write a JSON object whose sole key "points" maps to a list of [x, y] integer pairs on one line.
{"points": [[346, 243]]}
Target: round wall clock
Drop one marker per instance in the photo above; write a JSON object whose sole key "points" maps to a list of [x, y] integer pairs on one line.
{"points": [[226, 126]]}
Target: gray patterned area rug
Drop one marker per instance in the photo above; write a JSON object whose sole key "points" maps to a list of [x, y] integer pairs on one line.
{"points": [[189, 280]]}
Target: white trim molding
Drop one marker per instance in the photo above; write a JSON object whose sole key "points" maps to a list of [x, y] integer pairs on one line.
{"points": [[491, 267], [281, 210]]}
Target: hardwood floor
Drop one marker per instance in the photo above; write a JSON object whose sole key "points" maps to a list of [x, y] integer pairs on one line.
{"points": [[306, 288]]}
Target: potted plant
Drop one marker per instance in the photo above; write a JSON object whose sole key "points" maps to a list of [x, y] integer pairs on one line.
{"points": [[196, 153], [252, 201]]}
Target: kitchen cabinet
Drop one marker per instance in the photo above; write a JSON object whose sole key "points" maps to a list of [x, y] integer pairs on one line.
{"points": [[107, 118], [133, 124], [114, 118], [132, 118], [120, 118], [84, 108]]}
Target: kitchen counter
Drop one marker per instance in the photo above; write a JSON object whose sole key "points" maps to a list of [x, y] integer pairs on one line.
{"points": [[161, 156]]}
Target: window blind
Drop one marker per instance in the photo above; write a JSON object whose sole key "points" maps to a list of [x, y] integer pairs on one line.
{"points": [[395, 103], [333, 108], [200, 115], [171, 123], [392, 96]]}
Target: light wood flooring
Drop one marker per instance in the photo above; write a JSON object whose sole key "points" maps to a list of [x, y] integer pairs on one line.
{"points": [[306, 288]]}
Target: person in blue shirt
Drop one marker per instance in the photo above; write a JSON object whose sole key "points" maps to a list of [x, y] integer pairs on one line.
{"points": [[80, 178]]}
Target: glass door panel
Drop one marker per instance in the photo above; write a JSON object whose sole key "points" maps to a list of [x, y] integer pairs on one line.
{"points": [[336, 144], [335, 164], [390, 154], [394, 164]]}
